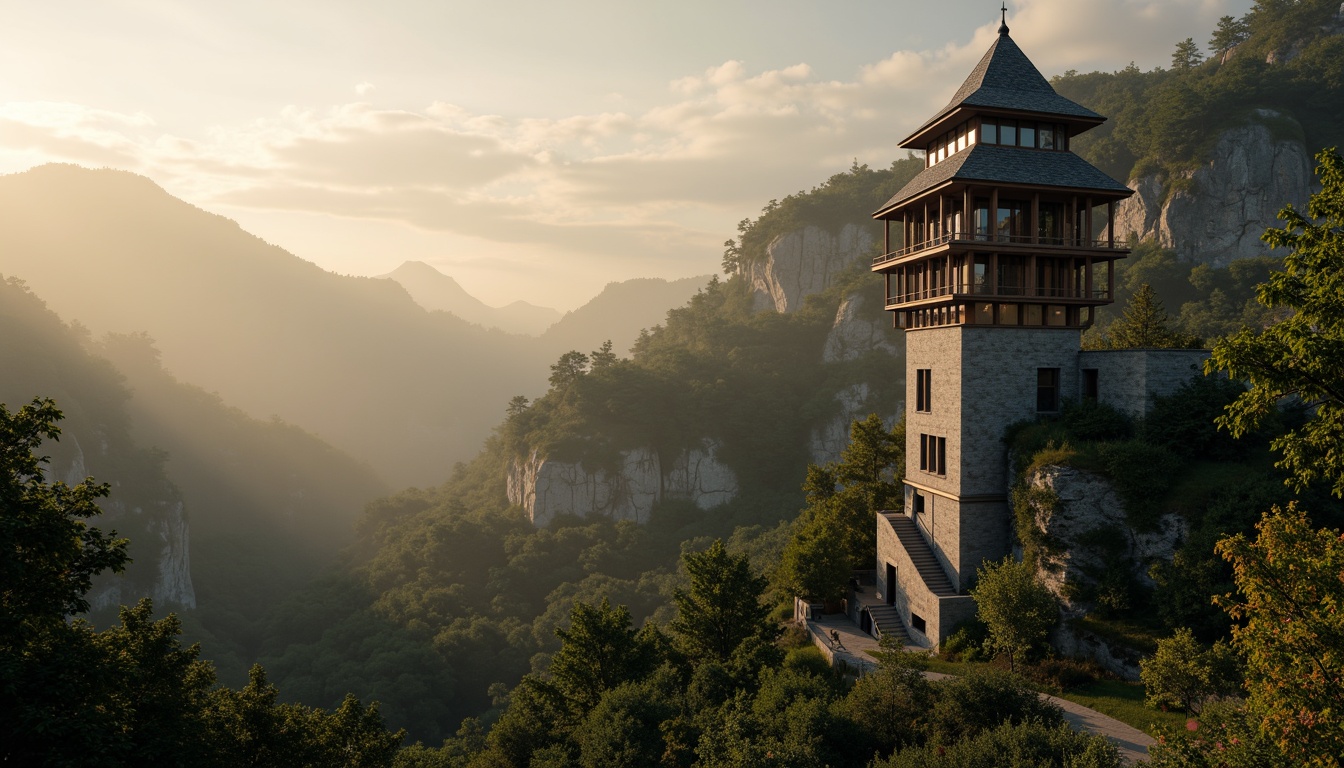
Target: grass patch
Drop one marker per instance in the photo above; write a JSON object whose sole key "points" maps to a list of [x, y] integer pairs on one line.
{"points": [[1136, 636], [1113, 698], [1202, 481], [1124, 702]]}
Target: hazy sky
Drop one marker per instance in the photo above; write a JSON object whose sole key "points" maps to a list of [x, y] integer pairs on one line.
{"points": [[531, 150]]}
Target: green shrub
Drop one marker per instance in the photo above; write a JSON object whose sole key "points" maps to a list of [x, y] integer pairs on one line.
{"points": [[1021, 745], [966, 643]]}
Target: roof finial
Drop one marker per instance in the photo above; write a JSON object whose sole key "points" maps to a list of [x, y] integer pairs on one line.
{"points": [[1003, 25]]}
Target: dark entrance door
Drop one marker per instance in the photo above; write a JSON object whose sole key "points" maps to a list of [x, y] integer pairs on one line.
{"points": [[891, 584]]}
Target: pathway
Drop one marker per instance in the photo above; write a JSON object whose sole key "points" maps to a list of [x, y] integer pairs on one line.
{"points": [[856, 649]]}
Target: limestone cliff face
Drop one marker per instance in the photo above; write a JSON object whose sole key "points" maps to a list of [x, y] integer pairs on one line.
{"points": [[546, 487], [803, 262], [1219, 212], [859, 329], [155, 520], [1089, 534]]}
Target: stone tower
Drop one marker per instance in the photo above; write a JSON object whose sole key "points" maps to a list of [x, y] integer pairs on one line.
{"points": [[994, 261]]}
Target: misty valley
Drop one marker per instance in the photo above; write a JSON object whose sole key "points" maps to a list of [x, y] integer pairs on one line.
{"points": [[255, 512]]}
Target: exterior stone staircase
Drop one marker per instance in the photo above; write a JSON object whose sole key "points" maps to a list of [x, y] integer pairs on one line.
{"points": [[887, 621], [935, 578]]}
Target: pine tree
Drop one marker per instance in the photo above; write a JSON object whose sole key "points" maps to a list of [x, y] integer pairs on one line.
{"points": [[1187, 55]]}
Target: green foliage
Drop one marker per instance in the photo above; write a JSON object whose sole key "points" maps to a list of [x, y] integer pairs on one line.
{"points": [[1186, 55], [1184, 674], [843, 199], [1292, 640], [720, 609], [131, 693], [50, 554], [600, 650], [1014, 745], [1161, 120], [1018, 610], [1222, 737], [835, 534], [1145, 324], [1301, 356], [971, 704]]}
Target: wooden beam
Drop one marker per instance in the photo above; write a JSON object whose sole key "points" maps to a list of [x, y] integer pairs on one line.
{"points": [[1035, 218]]}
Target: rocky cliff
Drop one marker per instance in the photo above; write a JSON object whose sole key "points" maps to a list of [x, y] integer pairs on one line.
{"points": [[546, 487], [152, 515], [1216, 213], [1088, 539], [860, 329], [803, 262]]}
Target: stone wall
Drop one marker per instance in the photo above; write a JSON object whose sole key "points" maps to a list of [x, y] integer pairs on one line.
{"points": [[1129, 379]]}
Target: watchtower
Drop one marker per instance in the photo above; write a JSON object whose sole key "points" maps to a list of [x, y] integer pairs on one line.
{"points": [[995, 257]]}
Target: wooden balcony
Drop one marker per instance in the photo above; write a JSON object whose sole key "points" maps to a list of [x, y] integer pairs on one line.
{"points": [[949, 294], [997, 241]]}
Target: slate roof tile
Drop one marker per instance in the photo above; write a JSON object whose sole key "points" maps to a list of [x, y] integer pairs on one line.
{"points": [[1010, 165]]}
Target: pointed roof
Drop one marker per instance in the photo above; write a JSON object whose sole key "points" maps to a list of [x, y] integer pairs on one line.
{"points": [[990, 163], [1006, 79]]}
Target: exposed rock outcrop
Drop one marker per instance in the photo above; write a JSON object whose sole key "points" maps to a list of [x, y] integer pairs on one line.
{"points": [[1089, 535], [860, 329], [1218, 212], [547, 488], [158, 529], [803, 262]]}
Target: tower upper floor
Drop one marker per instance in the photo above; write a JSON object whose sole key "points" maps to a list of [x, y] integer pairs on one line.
{"points": [[1005, 225]]}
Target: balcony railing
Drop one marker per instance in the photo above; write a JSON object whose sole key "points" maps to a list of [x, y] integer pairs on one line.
{"points": [[983, 293], [995, 237]]}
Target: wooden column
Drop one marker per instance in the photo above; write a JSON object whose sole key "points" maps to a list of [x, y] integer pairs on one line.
{"points": [[886, 236], [994, 213], [1090, 237], [1035, 218], [1073, 221], [1110, 223], [967, 222], [1087, 281], [942, 215]]}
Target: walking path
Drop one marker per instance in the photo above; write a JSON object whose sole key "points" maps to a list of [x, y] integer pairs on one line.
{"points": [[856, 649]]}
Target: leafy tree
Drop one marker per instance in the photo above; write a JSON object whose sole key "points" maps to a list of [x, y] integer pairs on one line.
{"points": [[1145, 324], [967, 705], [50, 555], [1187, 55], [891, 706], [1302, 355], [721, 608], [1014, 745], [517, 404], [836, 533], [1292, 602], [1017, 608], [603, 357], [600, 651], [568, 369], [1230, 33], [1184, 674]]}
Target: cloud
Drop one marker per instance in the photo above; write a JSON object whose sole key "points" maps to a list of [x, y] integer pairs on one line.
{"points": [[645, 177]]}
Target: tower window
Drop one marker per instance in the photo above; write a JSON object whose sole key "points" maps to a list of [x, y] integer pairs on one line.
{"points": [[933, 454], [1047, 390], [924, 390]]}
